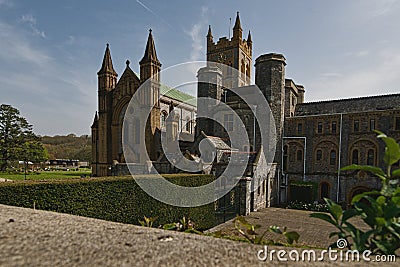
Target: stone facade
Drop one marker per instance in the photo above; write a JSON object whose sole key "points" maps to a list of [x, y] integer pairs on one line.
{"points": [[322, 137]]}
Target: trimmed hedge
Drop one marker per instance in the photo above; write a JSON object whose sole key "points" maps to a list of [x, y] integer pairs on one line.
{"points": [[305, 192], [117, 199]]}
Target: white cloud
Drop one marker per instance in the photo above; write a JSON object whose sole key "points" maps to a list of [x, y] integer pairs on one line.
{"points": [[31, 21], [197, 33], [16, 47], [6, 3], [383, 7], [378, 77]]}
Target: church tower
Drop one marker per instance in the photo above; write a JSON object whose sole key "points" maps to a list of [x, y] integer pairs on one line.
{"points": [[235, 52], [107, 79], [150, 68]]}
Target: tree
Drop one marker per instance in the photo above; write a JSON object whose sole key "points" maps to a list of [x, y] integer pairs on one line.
{"points": [[17, 140]]}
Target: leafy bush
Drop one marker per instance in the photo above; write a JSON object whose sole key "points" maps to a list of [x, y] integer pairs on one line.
{"points": [[117, 199], [381, 212]]}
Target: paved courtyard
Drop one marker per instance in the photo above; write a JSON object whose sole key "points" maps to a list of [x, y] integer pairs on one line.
{"points": [[313, 232]]}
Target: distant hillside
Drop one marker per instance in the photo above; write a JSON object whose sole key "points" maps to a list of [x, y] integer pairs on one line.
{"points": [[68, 147]]}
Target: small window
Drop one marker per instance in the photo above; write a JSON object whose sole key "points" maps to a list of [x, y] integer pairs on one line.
{"points": [[354, 157], [372, 124], [228, 122], [319, 127], [299, 155], [371, 157], [300, 128], [332, 160], [356, 125], [319, 154], [334, 127], [188, 125], [397, 123]]}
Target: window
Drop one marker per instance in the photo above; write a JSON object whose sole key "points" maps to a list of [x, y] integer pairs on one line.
{"points": [[356, 125], [319, 127], [371, 157], [332, 160], [397, 123], [319, 154], [228, 122], [354, 157], [293, 100], [334, 127], [300, 128], [299, 155], [372, 124], [163, 119], [188, 125]]}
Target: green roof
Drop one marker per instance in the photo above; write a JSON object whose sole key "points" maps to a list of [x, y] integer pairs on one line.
{"points": [[178, 95]]}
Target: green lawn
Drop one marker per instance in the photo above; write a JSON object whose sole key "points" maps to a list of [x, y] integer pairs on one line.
{"points": [[47, 175]]}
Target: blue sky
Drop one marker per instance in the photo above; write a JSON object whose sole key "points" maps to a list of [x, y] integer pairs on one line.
{"points": [[50, 51]]}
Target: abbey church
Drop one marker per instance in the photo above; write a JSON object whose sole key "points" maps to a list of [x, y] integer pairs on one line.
{"points": [[314, 140]]}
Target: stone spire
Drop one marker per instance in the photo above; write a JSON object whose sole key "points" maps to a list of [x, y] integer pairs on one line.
{"points": [[237, 29], [249, 38], [237, 22], [107, 65], [150, 54], [209, 34]]}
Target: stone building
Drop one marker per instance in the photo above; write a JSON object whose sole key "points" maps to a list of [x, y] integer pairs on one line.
{"points": [[313, 140], [113, 99]]}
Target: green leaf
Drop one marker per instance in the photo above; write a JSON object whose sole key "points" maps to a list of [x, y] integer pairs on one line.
{"points": [[169, 226], [336, 211], [291, 237], [324, 217], [381, 200], [380, 221], [358, 197], [374, 170], [347, 214], [392, 150], [396, 173]]}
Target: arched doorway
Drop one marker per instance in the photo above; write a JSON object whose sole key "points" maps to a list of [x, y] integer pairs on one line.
{"points": [[324, 190], [356, 191]]}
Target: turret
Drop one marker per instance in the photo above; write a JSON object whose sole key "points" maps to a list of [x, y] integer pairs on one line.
{"points": [[237, 29], [270, 78], [150, 65], [150, 68], [107, 79]]}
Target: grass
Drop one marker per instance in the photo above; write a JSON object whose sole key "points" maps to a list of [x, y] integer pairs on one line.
{"points": [[46, 175]]}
